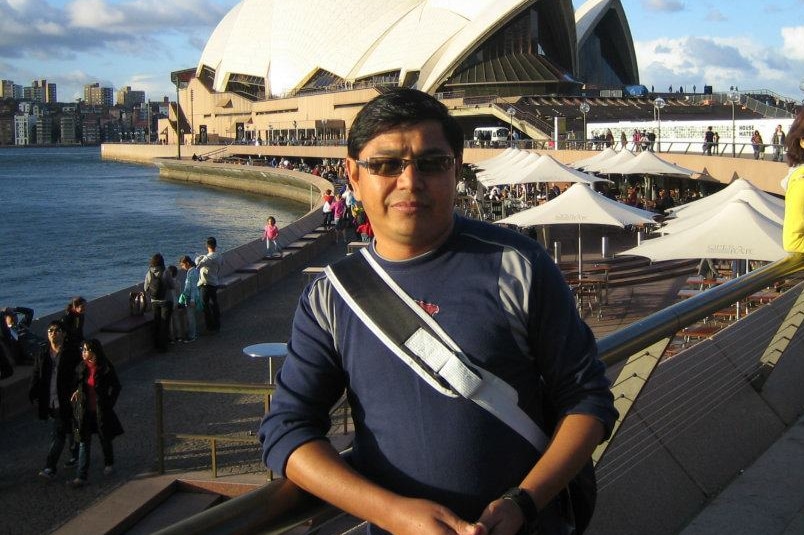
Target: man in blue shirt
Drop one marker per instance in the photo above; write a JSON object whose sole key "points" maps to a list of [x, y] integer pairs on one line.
{"points": [[426, 460]]}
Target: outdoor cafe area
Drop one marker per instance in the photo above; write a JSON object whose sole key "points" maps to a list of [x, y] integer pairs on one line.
{"points": [[725, 271]]}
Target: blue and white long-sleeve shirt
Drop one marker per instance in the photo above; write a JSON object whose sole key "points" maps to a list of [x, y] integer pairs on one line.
{"points": [[503, 300]]}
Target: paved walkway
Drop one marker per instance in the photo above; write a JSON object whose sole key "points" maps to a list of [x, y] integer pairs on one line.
{"points": [[31, 505]]}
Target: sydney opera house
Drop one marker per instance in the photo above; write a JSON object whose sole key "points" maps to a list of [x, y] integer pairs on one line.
{"points": [[281, 69]]}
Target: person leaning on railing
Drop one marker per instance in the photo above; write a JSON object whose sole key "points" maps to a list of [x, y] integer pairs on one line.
{"points": [[793, 184]]}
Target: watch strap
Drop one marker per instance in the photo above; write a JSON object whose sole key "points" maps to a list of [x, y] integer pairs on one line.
{"points": [[525, 503]]}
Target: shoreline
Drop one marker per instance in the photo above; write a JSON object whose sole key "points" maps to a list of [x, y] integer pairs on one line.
{"points": [[245, 271]]}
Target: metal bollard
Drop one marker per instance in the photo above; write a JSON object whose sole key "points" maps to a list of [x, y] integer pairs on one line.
{"points": [[557, 251], [639, 237], [604, 246]]}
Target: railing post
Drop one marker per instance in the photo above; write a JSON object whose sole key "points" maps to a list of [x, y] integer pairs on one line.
{"points": [[160, 436], [214, 458]]}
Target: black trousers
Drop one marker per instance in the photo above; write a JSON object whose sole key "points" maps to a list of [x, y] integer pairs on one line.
{"points": [[212, 312]]}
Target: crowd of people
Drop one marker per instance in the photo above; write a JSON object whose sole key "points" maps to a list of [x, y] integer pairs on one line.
{"points": [[181, 299], [74, 385]]}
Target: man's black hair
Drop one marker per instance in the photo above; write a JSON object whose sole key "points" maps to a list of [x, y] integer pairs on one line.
{"points": [[398, 108]]}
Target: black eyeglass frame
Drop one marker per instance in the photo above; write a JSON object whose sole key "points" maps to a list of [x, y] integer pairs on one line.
{"points": [[441, 163]]}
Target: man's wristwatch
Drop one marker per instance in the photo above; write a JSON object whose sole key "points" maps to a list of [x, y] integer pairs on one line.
{"points": [[525, 503]]}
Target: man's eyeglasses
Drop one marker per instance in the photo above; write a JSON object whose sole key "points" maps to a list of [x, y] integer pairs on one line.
{"points": [[54, 330], [392, 167]]}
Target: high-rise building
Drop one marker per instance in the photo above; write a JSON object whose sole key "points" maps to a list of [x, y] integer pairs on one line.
{"points": [[44, 130], [6, 89], [24, 128], [40, 91], [67, 126], [128, 98], [96, 95]]}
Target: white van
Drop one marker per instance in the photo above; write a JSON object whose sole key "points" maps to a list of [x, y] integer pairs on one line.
{"points": [[491, 136]]}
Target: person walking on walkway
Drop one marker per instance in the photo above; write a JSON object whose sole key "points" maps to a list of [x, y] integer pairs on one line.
{"points": [[209, 268], [93, 408], [270, 235], [52, 384], [427, 456]]}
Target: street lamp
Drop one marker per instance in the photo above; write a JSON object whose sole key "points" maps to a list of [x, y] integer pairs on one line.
{"points": [[584, 107], [511, 111], [733, 97], [174, 77], [659, 103]]}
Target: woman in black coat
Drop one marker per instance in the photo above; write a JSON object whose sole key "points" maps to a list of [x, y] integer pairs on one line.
{"points": [[93, 407]]}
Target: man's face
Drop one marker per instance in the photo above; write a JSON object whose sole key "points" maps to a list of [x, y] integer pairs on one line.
{"points": [[410, 213], [55, 335]]}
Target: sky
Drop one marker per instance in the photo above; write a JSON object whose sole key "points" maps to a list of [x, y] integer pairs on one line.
{"points": [[744, 43]]}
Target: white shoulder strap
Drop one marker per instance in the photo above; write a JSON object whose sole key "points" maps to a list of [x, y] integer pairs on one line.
{"points": [[424, 344]]}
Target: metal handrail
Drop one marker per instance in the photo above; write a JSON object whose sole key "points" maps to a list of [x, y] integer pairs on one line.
{"points": [[620, 344], [163, 385], [280, 505]]}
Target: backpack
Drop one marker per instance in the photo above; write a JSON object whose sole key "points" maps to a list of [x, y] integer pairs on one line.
{"points": [[157, 288]]}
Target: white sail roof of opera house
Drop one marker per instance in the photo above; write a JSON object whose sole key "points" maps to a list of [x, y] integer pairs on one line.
{"points": [[286, 42]]}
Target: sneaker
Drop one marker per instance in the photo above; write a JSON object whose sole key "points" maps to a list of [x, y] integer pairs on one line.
{"points": [[77, 483], [108, 470], [71, 462], [47, 473], [189, 340]]}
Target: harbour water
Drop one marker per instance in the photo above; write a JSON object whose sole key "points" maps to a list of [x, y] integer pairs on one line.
{"points": [[73, 224]]}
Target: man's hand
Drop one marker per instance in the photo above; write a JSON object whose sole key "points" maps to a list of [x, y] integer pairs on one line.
{"points": [[420, 517], [501, 517]]}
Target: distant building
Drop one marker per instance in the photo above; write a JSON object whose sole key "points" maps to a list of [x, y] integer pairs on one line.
{"points": [[128, 98], [6, 129], [96, 95], [44, 130], [8, 89], [90, 129], [24, 128], [67, 126], [40, 91]]}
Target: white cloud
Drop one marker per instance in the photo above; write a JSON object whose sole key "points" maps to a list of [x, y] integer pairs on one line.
{"points": [[93, 14], [719, 62], [664, 5], [792, 42]]}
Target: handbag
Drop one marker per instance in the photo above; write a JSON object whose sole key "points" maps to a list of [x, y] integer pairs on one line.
{"points": [[416, 338]]}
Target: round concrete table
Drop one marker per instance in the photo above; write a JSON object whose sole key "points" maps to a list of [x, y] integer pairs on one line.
{"points": [[267, 350]]}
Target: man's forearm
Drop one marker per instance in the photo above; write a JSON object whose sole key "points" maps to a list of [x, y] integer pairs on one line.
{"points": [[576, 438], [317, 468]]}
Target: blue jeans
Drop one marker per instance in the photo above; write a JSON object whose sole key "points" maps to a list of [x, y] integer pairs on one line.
{"points": [[58, 436], [91, 420]]}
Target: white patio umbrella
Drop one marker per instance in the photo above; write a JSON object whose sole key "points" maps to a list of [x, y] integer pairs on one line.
{"points": [[646, 163], [505, 157], [602, 166], [605, 154], [716, 200], [755, 199], [582, 206], [545, 168], [736, 232], [503, 168], [502, 156]]}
